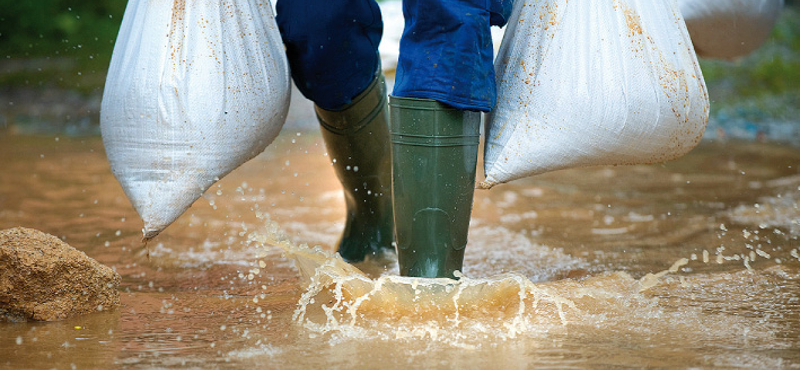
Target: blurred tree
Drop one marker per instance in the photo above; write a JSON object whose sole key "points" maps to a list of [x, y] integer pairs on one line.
{"points": [[40, 27]]}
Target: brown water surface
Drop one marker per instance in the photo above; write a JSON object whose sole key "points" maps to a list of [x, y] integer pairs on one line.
{"points": [[556, 269]]}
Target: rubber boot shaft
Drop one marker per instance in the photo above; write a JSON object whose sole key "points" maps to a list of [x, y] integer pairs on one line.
{"points": [[357, 140], [435, 154]]}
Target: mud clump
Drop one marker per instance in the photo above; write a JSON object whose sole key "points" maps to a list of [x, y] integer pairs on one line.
{"points": [[42, 278]]}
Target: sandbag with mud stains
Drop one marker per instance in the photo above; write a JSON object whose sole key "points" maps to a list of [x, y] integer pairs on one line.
{"points": [[729, 29], [584, 83], [195, 89]]}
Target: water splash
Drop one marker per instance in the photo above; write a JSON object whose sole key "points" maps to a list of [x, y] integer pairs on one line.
{"points": [[343, 302]]}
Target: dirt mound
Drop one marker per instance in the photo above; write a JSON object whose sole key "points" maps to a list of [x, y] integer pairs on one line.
{"points": [[43, 278]]}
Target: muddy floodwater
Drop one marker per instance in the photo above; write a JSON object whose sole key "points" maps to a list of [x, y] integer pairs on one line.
{"points": [[689, 264]]}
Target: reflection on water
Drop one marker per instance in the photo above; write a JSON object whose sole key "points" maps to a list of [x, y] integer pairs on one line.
{"points": [[556, 269]]}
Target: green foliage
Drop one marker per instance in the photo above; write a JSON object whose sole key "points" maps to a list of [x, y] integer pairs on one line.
{"points": [[70, 42], [34, 28], [776, 75]]}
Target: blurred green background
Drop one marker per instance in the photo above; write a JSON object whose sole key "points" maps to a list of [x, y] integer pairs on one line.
{"points": [[57, 43], [54, 55]]}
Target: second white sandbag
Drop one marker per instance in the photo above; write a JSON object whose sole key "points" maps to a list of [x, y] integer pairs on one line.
{"points": [[585, 83], [195, 89], [728, 29]]}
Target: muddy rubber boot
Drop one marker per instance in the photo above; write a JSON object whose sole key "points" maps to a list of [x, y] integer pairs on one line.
{"points": [[434, 157], [357, 140]]}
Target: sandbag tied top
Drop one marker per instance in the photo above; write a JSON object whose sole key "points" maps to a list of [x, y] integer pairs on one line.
{"points": [[195, 89], [729, 29], [585, 83]]}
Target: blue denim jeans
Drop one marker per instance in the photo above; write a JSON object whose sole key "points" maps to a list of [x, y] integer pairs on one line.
{"points": [[445, 51]]}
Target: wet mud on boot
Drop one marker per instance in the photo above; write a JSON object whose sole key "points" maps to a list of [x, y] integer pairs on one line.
{"points": [[434, 160], [357, 141]]}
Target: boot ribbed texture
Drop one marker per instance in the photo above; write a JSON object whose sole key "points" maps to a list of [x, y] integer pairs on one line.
{"points": [[434, 159], [357, 140]]}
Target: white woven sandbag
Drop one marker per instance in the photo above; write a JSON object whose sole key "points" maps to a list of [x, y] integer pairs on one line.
{"points": [[583, 83], [195, 89], [729, 29]]}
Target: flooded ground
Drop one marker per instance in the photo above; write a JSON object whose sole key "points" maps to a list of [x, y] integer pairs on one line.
{"points": [[556, 269]]}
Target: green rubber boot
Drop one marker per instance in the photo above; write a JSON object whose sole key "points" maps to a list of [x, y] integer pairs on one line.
{"points": [[435, 153], [357, 140]]}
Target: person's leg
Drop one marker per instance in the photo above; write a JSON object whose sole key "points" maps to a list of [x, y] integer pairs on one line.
{"points": [[332, 47], [446, 51], [445, 78]]}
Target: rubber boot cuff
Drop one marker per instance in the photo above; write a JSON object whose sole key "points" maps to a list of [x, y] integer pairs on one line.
{"points": [[359, 112]]}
